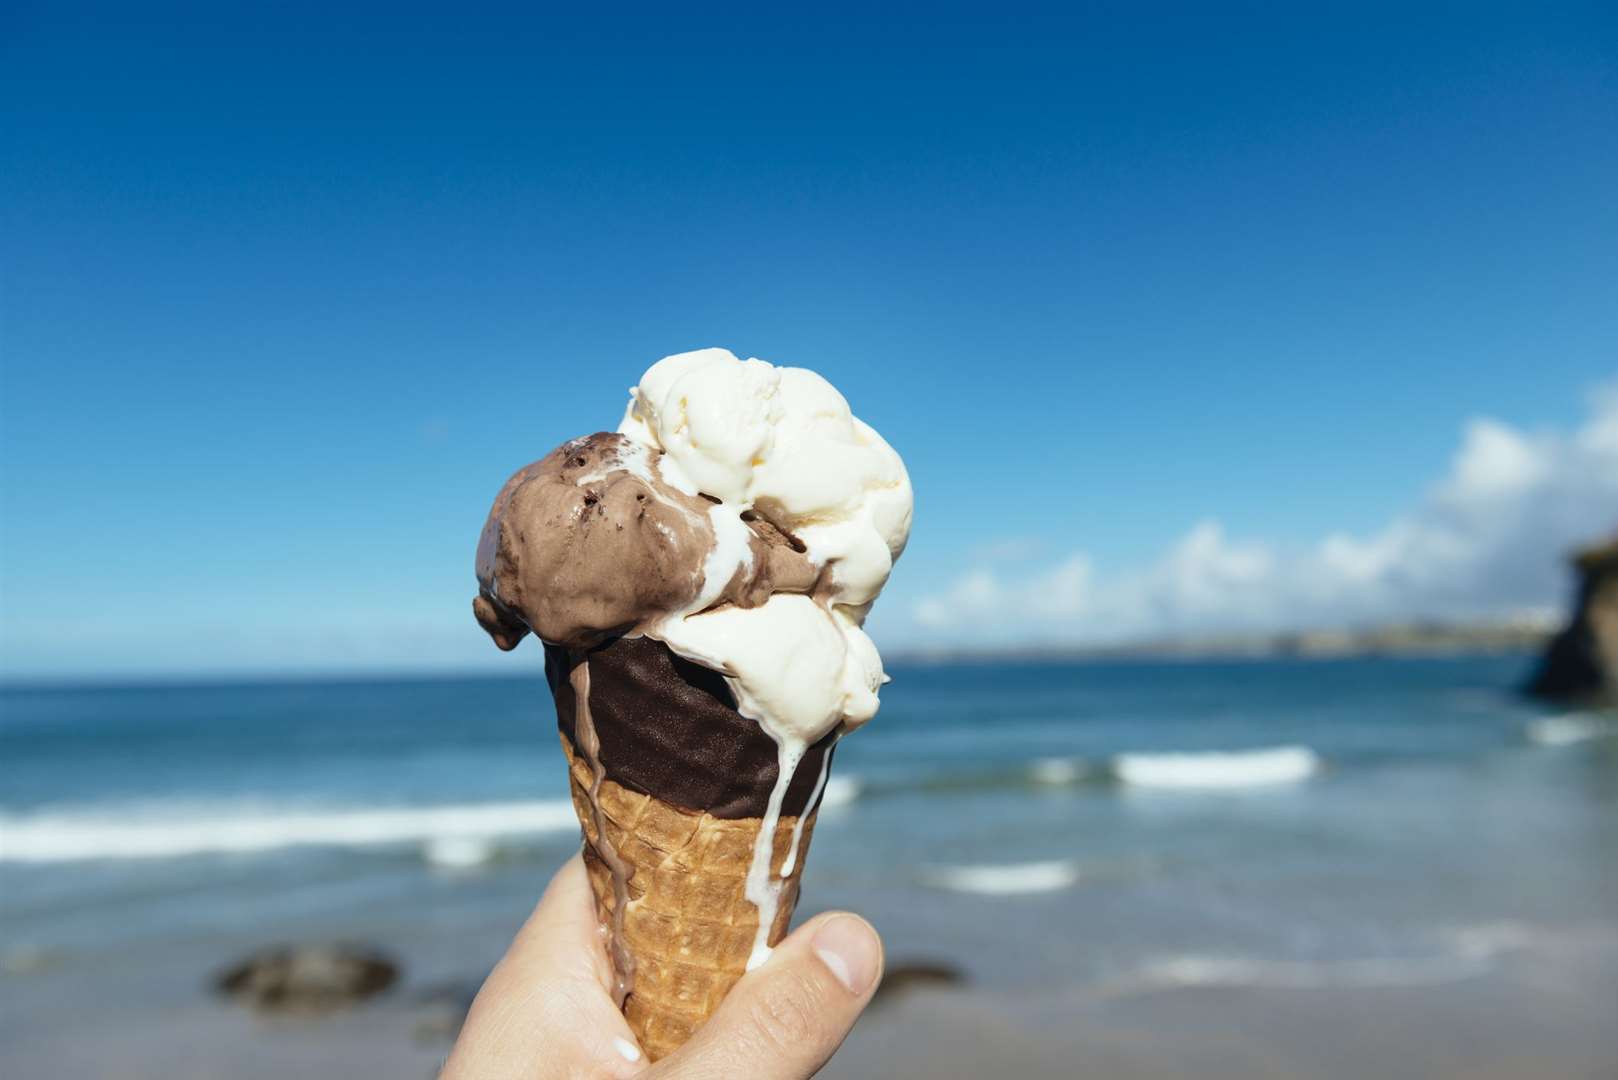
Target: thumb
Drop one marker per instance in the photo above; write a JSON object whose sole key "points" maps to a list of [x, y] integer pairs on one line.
{"points": [[783, 1020]]}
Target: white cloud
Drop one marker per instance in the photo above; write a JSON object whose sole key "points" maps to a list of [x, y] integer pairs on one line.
{"points": [[1063, 591], [1059, 593], [1487, 539], [975, 593]]}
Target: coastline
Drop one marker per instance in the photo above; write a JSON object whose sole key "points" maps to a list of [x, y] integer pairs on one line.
{"points": [[1415, 640]]}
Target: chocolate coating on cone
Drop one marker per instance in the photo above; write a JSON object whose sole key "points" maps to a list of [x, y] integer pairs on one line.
{"points": [[669, 728]]}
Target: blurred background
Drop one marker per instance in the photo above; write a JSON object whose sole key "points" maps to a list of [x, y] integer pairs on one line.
{"points": [[1257, 372]]}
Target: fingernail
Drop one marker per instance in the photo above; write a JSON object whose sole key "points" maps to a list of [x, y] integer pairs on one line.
{"points": [[629, 1050], [850, 949]]}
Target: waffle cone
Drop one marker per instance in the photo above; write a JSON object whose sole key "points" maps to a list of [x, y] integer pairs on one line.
{"points": [[688, 923]]}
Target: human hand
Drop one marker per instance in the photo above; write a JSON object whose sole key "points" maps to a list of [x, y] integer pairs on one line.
{"points": [[545, 1011]]}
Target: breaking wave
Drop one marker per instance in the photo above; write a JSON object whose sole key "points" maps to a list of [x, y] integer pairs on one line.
{"points": [[1058, 771], [1006, 879], [1190, 770], [468, 834], [1452, 954], [450, 835], [1242, 769], [840, 791], [460, 852], [1570, 728], [1215, 970]]}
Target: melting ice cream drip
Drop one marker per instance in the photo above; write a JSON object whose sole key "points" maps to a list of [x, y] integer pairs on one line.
{"points": [[584, 730], [764, 892], [791, 862], [763, 887]]}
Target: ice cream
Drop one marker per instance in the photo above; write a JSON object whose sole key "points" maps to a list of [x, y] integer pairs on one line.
{"points": [[588, 542], [700, 579]]}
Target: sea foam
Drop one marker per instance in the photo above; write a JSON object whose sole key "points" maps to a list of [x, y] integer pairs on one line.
{"points": [[460, 852], [1241, 769], [1058, 771], [1193, 970], [449, 833], [1570, 728], [1451, 955], [1005, 879], [840, 791]]}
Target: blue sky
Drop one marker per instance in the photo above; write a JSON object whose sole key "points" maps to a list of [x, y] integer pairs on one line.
{"points": [[1170, 313]]}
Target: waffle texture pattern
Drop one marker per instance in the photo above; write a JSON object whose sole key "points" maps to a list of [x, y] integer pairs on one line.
{"points": [[688, 924]]}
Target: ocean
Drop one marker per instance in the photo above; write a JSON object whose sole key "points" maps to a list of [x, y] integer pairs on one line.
{"points": [[1072, 839]]}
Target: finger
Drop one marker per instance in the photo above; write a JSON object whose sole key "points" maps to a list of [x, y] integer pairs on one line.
{"points": [[783, 1020], [563, 935], [545, 1010]]}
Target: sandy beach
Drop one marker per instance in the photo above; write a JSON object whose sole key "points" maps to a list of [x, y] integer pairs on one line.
{"points": [[1537, 1009]]}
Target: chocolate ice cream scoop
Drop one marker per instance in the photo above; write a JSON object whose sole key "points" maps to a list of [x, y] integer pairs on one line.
{"points": [[590, 542]]}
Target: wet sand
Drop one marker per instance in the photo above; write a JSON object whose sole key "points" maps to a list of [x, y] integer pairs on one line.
{"points": [[1541, 1013]]}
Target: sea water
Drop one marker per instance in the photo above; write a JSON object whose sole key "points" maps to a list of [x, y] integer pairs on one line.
{"points": [[1111, 826]]}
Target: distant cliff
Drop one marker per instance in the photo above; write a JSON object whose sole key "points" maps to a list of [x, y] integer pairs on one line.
{"points": [[1522, 633], [1581, 663]]}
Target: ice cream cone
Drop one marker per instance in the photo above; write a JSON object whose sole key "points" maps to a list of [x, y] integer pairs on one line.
{"points": [[700, 579], [688, 927]]}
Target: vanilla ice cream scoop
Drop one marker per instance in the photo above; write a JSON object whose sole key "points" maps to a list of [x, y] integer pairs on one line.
{"points": [[781, 443]]}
